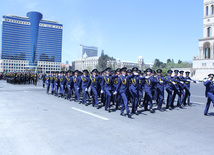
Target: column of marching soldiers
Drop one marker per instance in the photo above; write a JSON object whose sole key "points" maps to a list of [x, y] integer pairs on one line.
{"points": [[127, 89], [21, 77]]}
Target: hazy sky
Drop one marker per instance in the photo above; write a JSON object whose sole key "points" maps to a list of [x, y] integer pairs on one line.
{"points": [[124, 29]]}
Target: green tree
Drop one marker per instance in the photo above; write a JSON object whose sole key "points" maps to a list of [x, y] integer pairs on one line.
{"points": [[179, 61], [168, 61], [102, 61]]}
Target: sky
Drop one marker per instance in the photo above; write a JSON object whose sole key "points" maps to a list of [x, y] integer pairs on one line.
{"points": [[125, 29]]}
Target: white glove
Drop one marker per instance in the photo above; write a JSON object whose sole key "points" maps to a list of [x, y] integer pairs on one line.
{"points": [[182, 82], [115, 93], [135, 73], [161, 81], [101, 91], [173, 82], [146, 77], [78, 88], [86, 89]]}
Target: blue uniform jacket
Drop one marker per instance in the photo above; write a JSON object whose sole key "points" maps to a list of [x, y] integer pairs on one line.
{"points": [[84, 81], [168, 83], [209, 87]]}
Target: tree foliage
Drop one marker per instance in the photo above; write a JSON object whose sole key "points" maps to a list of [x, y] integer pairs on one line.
{"points": [[102, 61], [170, 64]]}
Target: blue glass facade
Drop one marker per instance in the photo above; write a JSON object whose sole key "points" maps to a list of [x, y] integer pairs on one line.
{"points": [[31, 39]]}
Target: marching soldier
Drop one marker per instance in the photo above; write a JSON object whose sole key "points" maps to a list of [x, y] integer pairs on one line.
{"points": [[187, 88], [149, 80], [209, 93], [52, 83], [76, 82], [47, 82], [169, 89], [56, 83], [176, 83], [160, 81], [122, 89], [85, 81], [61, 84]]}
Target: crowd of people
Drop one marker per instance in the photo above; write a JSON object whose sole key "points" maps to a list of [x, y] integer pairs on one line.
{"points": [[122, 87]]}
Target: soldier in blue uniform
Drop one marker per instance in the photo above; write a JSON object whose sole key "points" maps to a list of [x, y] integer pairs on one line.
{"points": [[160, 81], [181, 86], [117, 96], [114, 86], [85, 81], [169, 89], [69, 84], [140, 89], [52, 83], [209, 93], [56, 83], [154, 87], [76, 81], [122, 89], [107, 87], [187, 88], [94, 82], [47, 82], [61, 84], [149, 80], [176, 82], [134, 88]]}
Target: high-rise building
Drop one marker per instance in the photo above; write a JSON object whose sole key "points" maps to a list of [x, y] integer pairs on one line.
{"points": [[31, 39], [90, 51], [204, 63]]}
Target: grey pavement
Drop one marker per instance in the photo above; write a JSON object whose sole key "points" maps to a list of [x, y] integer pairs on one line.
{"points": [[34, 123]]}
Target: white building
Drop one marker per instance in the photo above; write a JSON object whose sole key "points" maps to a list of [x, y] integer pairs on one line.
{"points": [[204, 63], [85, 62], [23, 66], [13, 65], [120, 64]]}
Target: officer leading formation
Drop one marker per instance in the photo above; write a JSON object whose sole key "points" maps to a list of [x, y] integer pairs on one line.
{"points": [[127, 89]]}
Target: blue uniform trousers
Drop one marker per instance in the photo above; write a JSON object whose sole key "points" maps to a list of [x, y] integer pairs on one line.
{"points": [[176, 91], [85, 95], [124, 103], [69, 91], [95, 96], [160, 97], [187, 96], [135, 96], [148, 97], [48, 87], [77, 95], [169, 98], [210, 98], [56, 88], [108, 98], [62, 92]]}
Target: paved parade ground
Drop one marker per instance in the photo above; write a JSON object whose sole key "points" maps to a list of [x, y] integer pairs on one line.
{"points": [[34, 123]]}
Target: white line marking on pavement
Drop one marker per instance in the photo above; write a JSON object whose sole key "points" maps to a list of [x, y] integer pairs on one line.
{"points": [[197, 102], [106, 119], [198, 96]]}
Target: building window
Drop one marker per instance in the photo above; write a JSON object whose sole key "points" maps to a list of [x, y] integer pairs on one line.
{"points": [[207, 10], [207, 53], [209, 32], [212, 11]]}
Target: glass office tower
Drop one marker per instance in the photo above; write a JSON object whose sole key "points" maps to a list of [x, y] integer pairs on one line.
{"points": [[31, 38]]}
